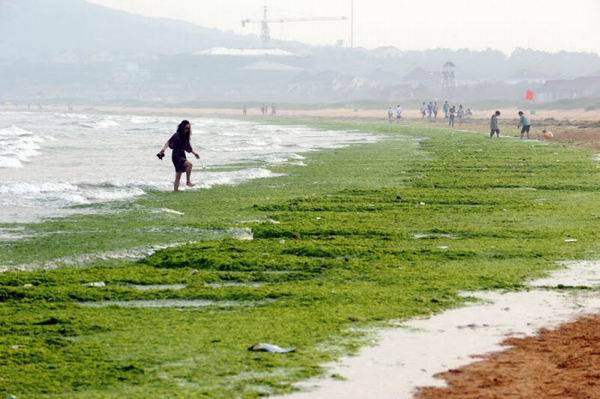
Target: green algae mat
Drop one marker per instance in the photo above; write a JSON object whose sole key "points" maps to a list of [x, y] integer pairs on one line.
{"points": [[92, 307]]}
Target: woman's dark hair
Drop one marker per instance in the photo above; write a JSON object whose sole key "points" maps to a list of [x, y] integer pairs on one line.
{"points": [[182, 132]]}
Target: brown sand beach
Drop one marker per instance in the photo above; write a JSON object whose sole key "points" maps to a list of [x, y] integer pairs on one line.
{"points": [[561, 363]]}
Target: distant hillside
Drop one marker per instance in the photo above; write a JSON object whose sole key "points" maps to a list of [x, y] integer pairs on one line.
{"points": [[44, 28], [73, 50]]}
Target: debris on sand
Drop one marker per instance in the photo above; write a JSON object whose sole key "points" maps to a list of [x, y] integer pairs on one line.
{"points": [[96, 284], [270, 348]]}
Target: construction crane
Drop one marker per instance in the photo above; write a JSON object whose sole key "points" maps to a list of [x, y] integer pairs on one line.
{"points": [[265, 34]]}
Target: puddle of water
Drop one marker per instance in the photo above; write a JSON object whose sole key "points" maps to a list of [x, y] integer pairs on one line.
{"points": [[258, 221], [170, 303], [157, 287], [96, 284], [81, 260], [171, 211], [14, 234], [576, 274], [128, 254], [418, 349], [420, 236], [233, 284]]}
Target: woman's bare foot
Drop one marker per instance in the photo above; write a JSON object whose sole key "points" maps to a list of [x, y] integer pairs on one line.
{"points": [[190, 184]]}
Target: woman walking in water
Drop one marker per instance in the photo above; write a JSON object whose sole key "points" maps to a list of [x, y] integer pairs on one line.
{"points": [[180, 143]]}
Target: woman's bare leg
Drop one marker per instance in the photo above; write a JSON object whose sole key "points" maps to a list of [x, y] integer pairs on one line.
{"points": [[177, 180], [188, 174]]}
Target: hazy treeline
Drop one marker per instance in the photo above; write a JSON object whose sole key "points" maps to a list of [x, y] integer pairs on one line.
{"points": [[71, 49]]}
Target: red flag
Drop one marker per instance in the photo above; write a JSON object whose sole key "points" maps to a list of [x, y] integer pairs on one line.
{"points": [[530, 95]]}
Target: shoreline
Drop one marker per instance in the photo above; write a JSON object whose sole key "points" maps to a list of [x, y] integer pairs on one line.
{"points": [[337, 249], [562, 362], [578, 114], [419, 352], [232, 152], [576, 127]]}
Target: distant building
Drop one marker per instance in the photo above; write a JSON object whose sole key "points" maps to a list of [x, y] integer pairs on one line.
{"points": [[563, 89], [444, 78]]}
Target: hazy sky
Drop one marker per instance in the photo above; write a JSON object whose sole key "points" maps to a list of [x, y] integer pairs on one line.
{"points": [[407, 24]]}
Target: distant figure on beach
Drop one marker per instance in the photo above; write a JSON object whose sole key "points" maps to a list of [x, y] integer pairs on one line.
{"points": [[263, 109], [390, 113], [524, 124], [429, 110], [451, 116], [435, 110], [180, 144], [273, 109], [244, 110], [398, 113], [423, 110], [460, 114], [446, 109], [494, 125]]}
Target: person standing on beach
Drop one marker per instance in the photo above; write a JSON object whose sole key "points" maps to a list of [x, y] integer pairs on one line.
{"points": [[494, 125], [390, 113], [398, 113], [180, 144], [423, 110], [435, 110], [524, 124], [451, 116], [460, 114], [446, 109]]}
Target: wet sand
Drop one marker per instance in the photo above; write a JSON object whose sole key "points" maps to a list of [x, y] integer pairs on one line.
{"points": [[412, 354], [562, 363], [579, 114]]}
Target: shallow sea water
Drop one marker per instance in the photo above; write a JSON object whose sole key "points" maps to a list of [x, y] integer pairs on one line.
{"points": [[51, 161]]}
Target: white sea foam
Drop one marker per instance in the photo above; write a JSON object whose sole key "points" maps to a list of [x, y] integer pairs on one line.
{"points": [[18, 146], [61, 194], [64, 194], [106, 124], [213, 179]]}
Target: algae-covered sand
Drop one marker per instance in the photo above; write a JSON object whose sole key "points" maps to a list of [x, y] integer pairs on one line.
{"points": [[357, 237]]}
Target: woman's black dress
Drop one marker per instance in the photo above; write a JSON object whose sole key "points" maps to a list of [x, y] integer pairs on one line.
{"points": [[179, 147]]}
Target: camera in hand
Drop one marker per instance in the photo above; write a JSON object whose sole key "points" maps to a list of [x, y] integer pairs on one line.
{"points": [[160, 155]]}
